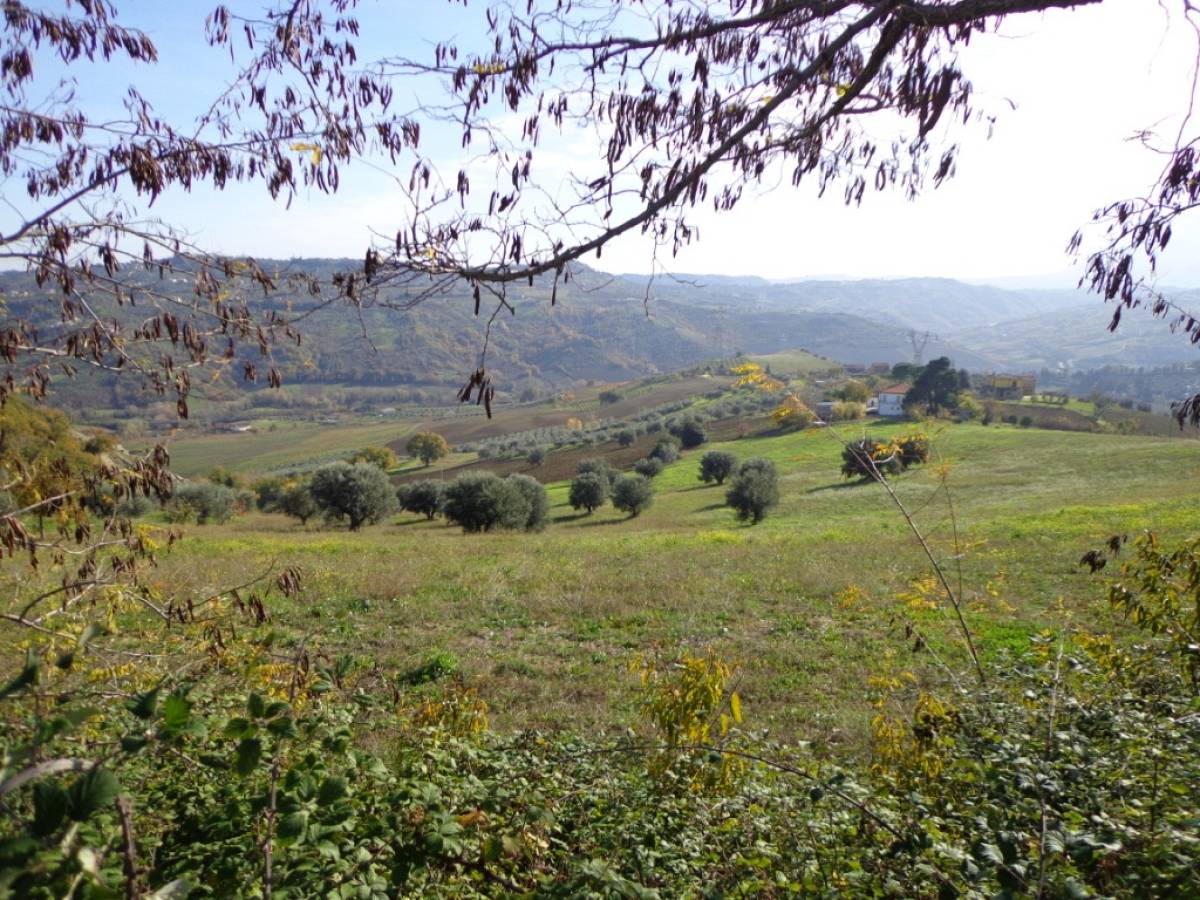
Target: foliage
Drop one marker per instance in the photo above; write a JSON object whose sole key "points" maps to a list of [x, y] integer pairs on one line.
{"points": [[482, 501], [422, 497], [1158, 590], [690, 432], [383, 457], [535, 496], [793, 413], [201, 503], [359, 493], [297, 501], [716, 466], [427, 446], [914, 449], [598, 466], [268, 492], [626, 437], [589, 491], [936, 388], [649, 466], [753, 490], [846, 411], [666, 450], [633, 494], [868, 458], [536, 455], [851, 392], [226, 477]]}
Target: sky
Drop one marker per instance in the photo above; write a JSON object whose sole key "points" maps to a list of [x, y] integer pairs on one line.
{"points": [[1069, 88]]}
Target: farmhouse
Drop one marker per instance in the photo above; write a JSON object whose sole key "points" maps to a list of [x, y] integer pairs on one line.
{"points": [[891, 400]]}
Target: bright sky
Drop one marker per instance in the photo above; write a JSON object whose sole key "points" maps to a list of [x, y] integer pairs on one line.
{"points": [[1082, 83]]}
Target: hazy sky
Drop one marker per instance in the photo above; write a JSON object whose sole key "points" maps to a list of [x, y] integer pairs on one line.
{"points": [[1082, 83]]}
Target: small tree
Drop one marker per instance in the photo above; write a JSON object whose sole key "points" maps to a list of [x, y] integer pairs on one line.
{"points": [[589, 490], [268, 491], [691, 433], [598, 466], [481, 501], [202, 503], [648, 466], [382, 457], [536, 455], [422, 497], [297, 502], [359, 493], [225, 476], [535, 495], [862, 458], [847, 410], [632, 494], [914, 449], [852, 392], [753, 490], [936, 387], [667, 450], [716, 466], [626, 437], [427, 446]]}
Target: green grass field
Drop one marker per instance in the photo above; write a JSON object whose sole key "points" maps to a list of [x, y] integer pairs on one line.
{"points": [[811, 602]]}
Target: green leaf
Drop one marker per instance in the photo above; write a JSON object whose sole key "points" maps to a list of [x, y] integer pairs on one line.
{"points": [[132, 743], [249, 752], [176, 711], [49, 808], [92, 791], [238, 728], [142, 705], [26, 677], [332, 790], [65, 661], [256, 705], [282, 727], [292, 827], [276, 708]]}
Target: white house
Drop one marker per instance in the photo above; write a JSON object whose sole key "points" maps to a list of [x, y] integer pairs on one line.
{"points": [[891, 400]]}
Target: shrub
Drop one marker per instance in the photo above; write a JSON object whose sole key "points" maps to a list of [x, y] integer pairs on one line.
{"points": [[268, 491], [201, 503], [427, 446], [626, 437], [1026, 421], [914, 449], [383, 457], [716, 466], [589, 490], [536, 455], [632, 494], [648, 466], [753, 490], [422, 497], [297, 502], [482, 501], [223, 475], [667, 450], [847, 411], [856, 456], [607, 397], [535, 495], [359, 493]]}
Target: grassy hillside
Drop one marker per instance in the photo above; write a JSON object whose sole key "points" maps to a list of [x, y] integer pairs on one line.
{"points": [[811, 602]]}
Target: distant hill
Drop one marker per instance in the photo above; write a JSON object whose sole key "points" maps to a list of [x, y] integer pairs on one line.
{"points": [[615, 328]]}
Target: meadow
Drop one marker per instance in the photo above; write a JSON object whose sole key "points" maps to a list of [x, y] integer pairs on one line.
{"points": [[830, 590]]}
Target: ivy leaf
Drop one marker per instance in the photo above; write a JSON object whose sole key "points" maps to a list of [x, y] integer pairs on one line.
{"points": [[176, 711], [332, 789], [49, 808], [249, 752], [292, 828], [142, 705], [256, 705], [26, 677], [92, 791]]}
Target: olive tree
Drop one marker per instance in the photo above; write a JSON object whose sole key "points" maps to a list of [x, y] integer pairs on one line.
{"points": [[359, 493], [753, 490], [633, 494], [422, 497], [589, 491], [297, 502], [482, 501], [716, 466]]}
